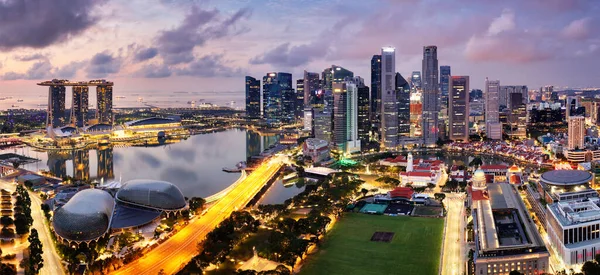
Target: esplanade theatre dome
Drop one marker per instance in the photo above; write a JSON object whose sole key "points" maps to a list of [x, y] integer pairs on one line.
{"points": [[156, 194], [85, 217]]}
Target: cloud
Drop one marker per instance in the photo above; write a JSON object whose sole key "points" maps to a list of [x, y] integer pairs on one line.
{"points": [[39, 70], [209, 66], [144, 54], [39, 23], [503, 42], [103, 64], [69, 70], [154, 71], [506, 22], [199, 26], [578, 29], [30, 57]]}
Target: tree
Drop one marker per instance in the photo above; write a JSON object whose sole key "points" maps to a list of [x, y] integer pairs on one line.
{"points": [[439, 196], [364, 192], [476, 162], [196, 204], [515, 272], [590, 268], [6, 221], [35, 262], [21, 225]]}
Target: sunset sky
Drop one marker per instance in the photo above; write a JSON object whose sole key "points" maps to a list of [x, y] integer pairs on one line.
{"points": [[198, 45]]}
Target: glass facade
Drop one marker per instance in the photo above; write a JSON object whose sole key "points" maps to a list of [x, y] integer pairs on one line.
{"points": [[252, 98], [152, 193], [104, 97], [278, 99], [79, 106], [86, 216], [56, 106]]}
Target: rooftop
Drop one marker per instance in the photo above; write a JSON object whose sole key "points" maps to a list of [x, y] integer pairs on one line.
{"points": [[566, 177], [574, 212]]}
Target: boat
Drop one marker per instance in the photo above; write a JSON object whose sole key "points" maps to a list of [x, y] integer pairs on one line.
{"points": [[120, 96], [238, 168], [19, 100]]}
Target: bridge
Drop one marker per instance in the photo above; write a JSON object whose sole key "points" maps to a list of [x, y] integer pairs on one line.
{"points": [[224, 192], [171, 255]]}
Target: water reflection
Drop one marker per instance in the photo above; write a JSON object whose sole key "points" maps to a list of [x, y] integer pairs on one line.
{"points": [[256, 144], [105, 163]]}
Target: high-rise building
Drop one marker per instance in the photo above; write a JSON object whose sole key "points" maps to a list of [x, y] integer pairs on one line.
{"points": [[376, 90], [56, 106], [333, 74], [322, 124], [252, 98], [547, 92], [253, 143], [104, 102], [415, 80], [340, 115], [445, 73], [300, 94], [278, 99], [572, 105], [389, 104], [416, 112], [79, 106], [430, 95], [459, 108], [312, 85], [576, 132], [506, 91], [364, 111], [403, 101], [493, 127], [307, 120]]}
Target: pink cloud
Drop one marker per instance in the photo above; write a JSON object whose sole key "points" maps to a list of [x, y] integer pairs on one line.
{"points": [[578, 29]]}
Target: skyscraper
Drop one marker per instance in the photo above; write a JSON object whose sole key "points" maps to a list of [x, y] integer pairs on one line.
{"points": [[492, 118], [458, 123], [311, 86], [56, 106], [389, 105], [415, 80], [444, 86], [364, 112], [322, 123], [277, 89], [430, 95], [300, 94], [576, 132], [506, 91], [104, 100], [333, 74], [403, 101], [252, 98], [340, 115], [375, 89], [79, 106]]}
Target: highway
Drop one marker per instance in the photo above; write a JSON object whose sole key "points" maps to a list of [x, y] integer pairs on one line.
{"points": [[453, 257], [52, 262], [175, 252]]}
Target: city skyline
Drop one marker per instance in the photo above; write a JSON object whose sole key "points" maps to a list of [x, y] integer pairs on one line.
{"points": [[217, 41]]}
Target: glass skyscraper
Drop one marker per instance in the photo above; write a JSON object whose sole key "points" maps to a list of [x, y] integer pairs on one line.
{"points": [[104, 99], [252, 98], [79, 106], [278, 98], [403, 101], [389, 103], [459, 108], [430, 95], [56, 106]]}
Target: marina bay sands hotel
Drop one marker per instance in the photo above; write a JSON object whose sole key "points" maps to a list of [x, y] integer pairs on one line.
{"points": [[79, 108]]}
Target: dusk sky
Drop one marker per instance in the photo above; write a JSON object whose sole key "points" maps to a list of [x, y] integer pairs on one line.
{"points": [[188, 45]]}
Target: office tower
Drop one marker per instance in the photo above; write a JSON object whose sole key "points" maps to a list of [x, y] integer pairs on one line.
{"points": [[105, 163], [340, 74], [299, 112], [389, 105], [375, 90], [322, 124], [572, 105], [516, 100], [492, 118], [403, 101], [252, 98], [56, 106], [415, 80], [576, 132], [364, 114], [104, 103], [547, 92], [312, 86], [79, 106], [307, 120], [458, 123], [333, 74], [340, 115], [444, 88], [416, 112], [430, 95], [506, 91], [326, 79], [277, 88]]}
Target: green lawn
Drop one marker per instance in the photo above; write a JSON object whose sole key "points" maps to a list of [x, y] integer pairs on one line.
{"points": [[347, 249]]}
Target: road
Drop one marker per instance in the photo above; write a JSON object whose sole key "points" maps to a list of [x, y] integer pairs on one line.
{"points": [[453, 257], [52, 262], [174, 253]]}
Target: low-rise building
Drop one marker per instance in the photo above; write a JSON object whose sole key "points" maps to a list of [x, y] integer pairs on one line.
{"points": [[505, 237], [316, 149]]}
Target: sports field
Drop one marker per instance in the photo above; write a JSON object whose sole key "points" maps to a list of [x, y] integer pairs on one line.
{"points": [[348, 249]]}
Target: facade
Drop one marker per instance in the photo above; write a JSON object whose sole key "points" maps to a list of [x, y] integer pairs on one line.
{"points": [[403, 101], [299, 104], [416, 112], [307, 120], [430, 95], [340, 115], [322, 124], [364, 114], [153, 194], [506, 91], [252, 98], [316, 149], [389, 105], [415, 80], [277, 88], [576, 133], [492, 117], [56, 106], [445, 74], [376, 90], [459, 108], [79, 106], [104, 100]]}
